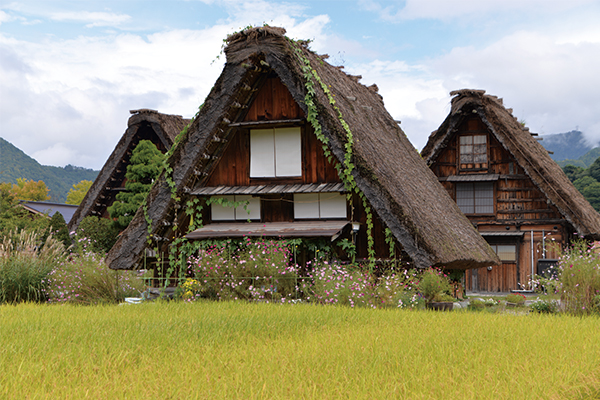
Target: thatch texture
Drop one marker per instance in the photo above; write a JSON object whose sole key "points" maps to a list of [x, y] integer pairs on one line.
{"points": [[400, 188], [162, 129], [530, 155]]}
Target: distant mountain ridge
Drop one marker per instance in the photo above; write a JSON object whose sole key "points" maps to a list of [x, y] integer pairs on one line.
{"points": [[584, 161], [14, 164], [567, 146]]}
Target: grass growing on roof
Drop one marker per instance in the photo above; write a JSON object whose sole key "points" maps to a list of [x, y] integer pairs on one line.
{"points": [[245, 350]]}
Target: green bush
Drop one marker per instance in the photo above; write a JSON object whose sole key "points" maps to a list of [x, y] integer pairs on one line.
{"points": [[579, 277], [544, 306], [433, 284], [24, 264], [515, 298]]}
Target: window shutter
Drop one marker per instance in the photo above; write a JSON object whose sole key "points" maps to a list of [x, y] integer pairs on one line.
{"points": [[262, 153]]}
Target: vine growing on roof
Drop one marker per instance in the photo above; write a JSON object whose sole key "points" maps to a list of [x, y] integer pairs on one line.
{"points": [[345, 171]]}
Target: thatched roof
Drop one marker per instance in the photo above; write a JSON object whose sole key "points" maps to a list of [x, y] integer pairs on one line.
{"points": [[401, 190], [530, 155], [162, 129]]}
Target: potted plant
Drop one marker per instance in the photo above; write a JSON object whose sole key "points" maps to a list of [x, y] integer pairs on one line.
{"points": [[434, 286]]}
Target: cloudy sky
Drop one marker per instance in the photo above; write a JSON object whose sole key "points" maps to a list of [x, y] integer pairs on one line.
{"points": [[70, 71]]}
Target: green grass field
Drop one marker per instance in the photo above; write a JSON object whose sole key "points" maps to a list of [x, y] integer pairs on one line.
{"points": [[228, 350]]}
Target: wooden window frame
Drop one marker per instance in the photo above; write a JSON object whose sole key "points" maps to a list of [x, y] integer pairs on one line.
{"points": [[494, 247], [259, 175], [472, 166], [475, 198]]}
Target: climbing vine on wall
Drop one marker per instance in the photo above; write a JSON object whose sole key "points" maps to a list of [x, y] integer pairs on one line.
{"points": [[345, 171]]}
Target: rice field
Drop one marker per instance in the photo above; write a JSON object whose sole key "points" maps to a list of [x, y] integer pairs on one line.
{"points": [[235, 350]]}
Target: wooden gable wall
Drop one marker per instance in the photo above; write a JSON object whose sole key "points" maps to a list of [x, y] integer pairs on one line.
{"points": [[273, 102], [517, 198]]}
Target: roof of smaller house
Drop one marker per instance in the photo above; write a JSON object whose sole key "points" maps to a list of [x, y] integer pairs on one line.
{"points": [[165, 126], [531, 155], [45, 207], [396, 183]]}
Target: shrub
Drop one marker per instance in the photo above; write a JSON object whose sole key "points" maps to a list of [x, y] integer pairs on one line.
{"points": [[433, 284], [24, 265], [579, 276], [84, 278], [544, 306], [515, 298]]}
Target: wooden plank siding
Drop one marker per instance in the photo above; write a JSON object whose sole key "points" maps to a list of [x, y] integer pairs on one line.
{"points": [[273, 102], [518, 206]]}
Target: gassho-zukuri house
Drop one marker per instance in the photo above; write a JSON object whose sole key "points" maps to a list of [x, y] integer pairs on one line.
{"points": [[308, 151], [505, 182], [160, 129]]}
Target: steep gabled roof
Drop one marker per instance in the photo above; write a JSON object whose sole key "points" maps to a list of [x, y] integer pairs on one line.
{"points": [[530, 155], [399, 187], [162, 129]]}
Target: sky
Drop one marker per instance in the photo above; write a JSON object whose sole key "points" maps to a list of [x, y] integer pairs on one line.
{"points": [[70, 71]]}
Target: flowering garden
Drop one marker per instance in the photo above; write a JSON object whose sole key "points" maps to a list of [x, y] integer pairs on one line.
{"points": [[263, 271]]}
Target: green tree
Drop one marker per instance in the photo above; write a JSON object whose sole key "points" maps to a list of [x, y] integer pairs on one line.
{"points": [[14, 216], [583, 182], [573, 172], [145, 165], [98, 234], [31, 190], [592, 194], [78, 192], [58, 227], [594, 170]]}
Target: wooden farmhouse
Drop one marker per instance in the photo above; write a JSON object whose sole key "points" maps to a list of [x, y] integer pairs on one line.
{"points": [[308, 151], [144, 124], [508, 186]]}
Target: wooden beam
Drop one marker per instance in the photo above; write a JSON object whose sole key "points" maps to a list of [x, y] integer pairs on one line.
{"points": [[266, 123], [520, 200], [545, 211]]}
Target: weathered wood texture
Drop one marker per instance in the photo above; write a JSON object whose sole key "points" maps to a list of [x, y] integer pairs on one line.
{"points": [[273, 102], [517, 202]]}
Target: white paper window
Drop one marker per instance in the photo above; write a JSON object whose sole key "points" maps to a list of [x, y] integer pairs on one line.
{"points": [[306, 205], [332, 205], [250, 209], [275, 152], [319, 205]]}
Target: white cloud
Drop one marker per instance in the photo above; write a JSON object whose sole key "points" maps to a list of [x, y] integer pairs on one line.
{"points": [[92, 19], [4, 17], [68, 101], [552, 86], [410, 94]]}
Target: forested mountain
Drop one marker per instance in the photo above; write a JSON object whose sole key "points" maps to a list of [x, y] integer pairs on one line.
{"points": [[584, 161], [569, 145], [16, 164]]}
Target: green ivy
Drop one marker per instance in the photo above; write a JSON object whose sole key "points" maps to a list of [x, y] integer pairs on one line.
{"points": [[310, 75]]}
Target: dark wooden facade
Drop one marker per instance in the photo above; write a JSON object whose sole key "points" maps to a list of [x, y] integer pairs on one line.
{"points": [[521, 216], [273, 106]]}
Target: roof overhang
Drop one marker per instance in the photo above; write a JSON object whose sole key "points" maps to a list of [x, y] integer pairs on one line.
{"points": [[269, 189], [472, 178], [330, 229], [502, 234]]}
